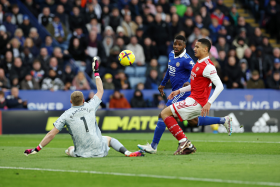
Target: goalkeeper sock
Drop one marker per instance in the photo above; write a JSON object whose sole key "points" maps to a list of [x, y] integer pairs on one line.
{"points": [[204, 121], [175, 129], [115, 144], [160, 128]]}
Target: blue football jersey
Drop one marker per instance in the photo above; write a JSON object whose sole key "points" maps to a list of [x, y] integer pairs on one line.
{"points": [[179, 70]]}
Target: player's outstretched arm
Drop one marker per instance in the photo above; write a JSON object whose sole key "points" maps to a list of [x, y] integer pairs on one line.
{"points": [[99, 85], [47, 139], [183, 89]]}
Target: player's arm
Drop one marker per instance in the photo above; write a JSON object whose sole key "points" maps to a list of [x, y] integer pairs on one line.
{"points": [[163, 83], [176, 92], [47, 139], [211, 73], [99, 84]]}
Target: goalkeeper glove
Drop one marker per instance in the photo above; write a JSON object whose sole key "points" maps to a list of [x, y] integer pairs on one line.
{"points": [[33, 151], [95, 67]]}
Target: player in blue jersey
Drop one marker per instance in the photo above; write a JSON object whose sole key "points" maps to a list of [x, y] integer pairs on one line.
{"points": [[179, 70]]}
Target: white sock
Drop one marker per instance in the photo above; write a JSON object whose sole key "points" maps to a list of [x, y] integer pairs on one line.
{"points": [[183, 140], [127, 153]]}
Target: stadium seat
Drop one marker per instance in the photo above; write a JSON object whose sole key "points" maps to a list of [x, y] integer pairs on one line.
{"points": [[140, 71], [129, 71], [162, 60], [135, 80], [162, 68]]}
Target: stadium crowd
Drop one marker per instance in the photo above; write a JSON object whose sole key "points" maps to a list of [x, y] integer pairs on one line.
{"points": [[80, 30]]}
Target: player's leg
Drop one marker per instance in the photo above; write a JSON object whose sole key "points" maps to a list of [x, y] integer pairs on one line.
{"points": [[115, 144], [70, 151], [207, 120]]}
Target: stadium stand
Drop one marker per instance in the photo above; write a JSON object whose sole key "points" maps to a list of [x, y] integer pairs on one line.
{"points": [[61, 33]]}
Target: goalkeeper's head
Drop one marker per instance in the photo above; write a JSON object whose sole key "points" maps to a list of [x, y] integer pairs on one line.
{"points": [[77, 98]]}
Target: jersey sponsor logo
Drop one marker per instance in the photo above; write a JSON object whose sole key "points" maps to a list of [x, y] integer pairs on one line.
{"points": [[197, 69], [213, 72], [178, 64], [172, 70]]}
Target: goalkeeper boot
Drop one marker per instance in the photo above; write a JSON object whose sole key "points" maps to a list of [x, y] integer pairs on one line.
{"points": [[136, 154], [228, 124], [147, 148]]}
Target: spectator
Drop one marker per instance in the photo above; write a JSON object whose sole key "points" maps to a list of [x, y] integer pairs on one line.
{"points": [[194, 36], [29, 83], [17, 18], [222, 59], [19, 35], [77, 51], [175, 25], [76, 20], [15, 47], [242, 34], [32, 48], [67, 6], [50, 4], [25, 26], [10, 27], [158, 101], [61, 58], [255, 82], [58, 31], [78, 33], [3, 102], [165, 6], [49, 45], [276, 54], [121, 81], [276, 65], [153, 65], [107, 44], [222, 45], [233, 15], [4, 82], [195, 5], [228, 30], [150, 51], [219, 15], [115, 19], [68, 75], [32, 7], [137, 50], [206, 18], [7, 63], [129, 26], [120, 44], [139, 36], [267, 48], [26, 57], [44, 58], [33, 34], [46, 17], [95, 48], [18, 70], [152, 80], [180, 8], [94, 25], [108, 82], [214, 30], [261, 63], [14, 101], [54, 66], [52, 82], [256, 38], [241, 46], [62, 16], [37, 72], [198, 21], [80, 82], [120, 32], [210, 5], [188, 27], [246, 74], [273, 81], [118, 100], [105, 15], [159, 11], [222, 7], [233, 74], [152, 8], [3, 40], [1, 14], [242, 24], [138, 101], [272, 11], [90, 13]]}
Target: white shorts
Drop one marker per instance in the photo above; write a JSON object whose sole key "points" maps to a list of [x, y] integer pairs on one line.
{"points": [[187, 109]]}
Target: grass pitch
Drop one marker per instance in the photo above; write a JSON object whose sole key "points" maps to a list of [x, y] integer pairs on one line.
{"points": [[240, 160]]}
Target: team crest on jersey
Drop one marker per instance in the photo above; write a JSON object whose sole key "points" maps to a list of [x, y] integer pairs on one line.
{"points": [[169, 60], [197, 69], [178, 64]]}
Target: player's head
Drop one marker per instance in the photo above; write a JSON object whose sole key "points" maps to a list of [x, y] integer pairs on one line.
{"points": [[179, 44], [202, 48], [77, 98]]}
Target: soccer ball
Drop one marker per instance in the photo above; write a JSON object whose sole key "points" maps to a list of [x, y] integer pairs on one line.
{"points": [[126, 58]]}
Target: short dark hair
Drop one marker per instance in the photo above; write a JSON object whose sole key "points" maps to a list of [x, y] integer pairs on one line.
{"points": [[205, 42], [180, 37]]}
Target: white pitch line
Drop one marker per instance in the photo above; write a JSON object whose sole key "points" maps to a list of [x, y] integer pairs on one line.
{"points": [[194, 140], [149, 176]]}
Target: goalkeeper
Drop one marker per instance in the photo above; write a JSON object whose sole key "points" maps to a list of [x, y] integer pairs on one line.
{"points": [[81, 123]]}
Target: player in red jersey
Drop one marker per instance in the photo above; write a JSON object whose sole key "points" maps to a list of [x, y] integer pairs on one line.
{"points": [[197, 104]]}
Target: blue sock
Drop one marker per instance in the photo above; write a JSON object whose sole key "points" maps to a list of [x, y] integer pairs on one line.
{"points": [[203, 121], [160, 128]]}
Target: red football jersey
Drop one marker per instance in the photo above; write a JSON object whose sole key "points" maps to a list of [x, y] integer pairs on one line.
{"points": [[201, 84]]}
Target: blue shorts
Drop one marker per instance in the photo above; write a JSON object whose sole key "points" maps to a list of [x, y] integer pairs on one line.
{"points": [[177, 98]]}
